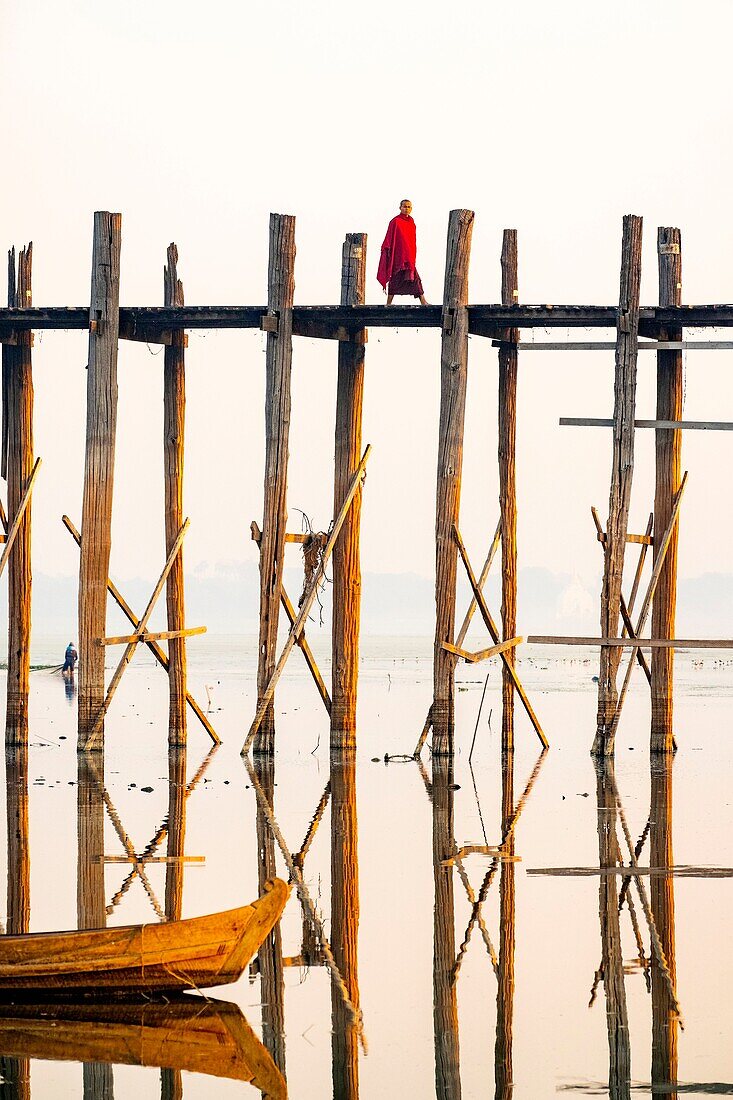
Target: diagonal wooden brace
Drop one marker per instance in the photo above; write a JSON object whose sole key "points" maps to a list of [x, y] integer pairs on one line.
{"points": [[494, 632], [160, 655], [137, 638], [464, 629], [15, 526], [298, 626], [301, 641], [607, 749]]}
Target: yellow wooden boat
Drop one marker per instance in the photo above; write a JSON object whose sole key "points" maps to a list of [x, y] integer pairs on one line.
{"points": [[189, 1033], [143, 958]]}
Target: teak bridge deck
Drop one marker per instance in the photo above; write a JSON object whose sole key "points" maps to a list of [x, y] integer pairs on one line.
{"points": [[347, 323]]}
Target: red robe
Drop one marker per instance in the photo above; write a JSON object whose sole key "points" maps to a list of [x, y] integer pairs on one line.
{"points": [[399, 250]]}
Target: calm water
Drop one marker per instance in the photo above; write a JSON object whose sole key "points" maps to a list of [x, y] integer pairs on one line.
{"points": [[513, 1018]]}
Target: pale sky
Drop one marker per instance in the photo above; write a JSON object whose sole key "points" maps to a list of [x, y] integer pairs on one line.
{"points": [[196, 120]]}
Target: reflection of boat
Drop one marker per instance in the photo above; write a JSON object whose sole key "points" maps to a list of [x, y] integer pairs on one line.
{"points": [[200, 1036], [143, 958]]}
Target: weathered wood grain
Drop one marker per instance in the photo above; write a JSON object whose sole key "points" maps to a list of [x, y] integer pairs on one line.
{"points": [[507, 441], [445, 1001], [101, 430], [622, 468], [668, 469], [174, 425], [344, 924], [18, 464], [346, 557], [453, 380], [278, 363], [665, 1019]]}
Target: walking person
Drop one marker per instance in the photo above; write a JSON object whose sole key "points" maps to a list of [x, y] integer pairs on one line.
{"points": [[397, 272], [70, 659]]}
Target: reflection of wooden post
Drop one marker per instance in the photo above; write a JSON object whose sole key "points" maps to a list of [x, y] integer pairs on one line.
{"points": [[96, 525], [445, 1006], [270, 957], [279, 355], [17, 466], [503, 1068], [174, 415], [16, 1071], [176, 832], [622, 468], [344, 924], [668, 453], [619, 1049], [453, 378], [661, 888], [346, 565], [508, 362], [90, 899]]}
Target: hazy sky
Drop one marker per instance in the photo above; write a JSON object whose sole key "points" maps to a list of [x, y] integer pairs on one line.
{"points": [[196, 120]]}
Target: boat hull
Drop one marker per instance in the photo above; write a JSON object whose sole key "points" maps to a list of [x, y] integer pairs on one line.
{"points": [[145, 958]]}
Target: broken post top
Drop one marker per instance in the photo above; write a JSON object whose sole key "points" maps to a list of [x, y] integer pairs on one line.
{"points": [[280, 275], [458, 252]]}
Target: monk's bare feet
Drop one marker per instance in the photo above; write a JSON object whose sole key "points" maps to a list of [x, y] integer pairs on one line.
{"points": [[389, 299], [422, 301]]}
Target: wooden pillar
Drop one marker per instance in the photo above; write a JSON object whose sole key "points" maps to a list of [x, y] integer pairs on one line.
{"points": [[176, 831], [617, 1021], [270, 956], [622, 468], [174, 416], [17, 465], [344, 924], [96, 529], [16, 1071], [503, 1050], [508, 362], [668, 454], [453, 379], [278, 362], [346, 564], [665, 1022], [445, 1002]]}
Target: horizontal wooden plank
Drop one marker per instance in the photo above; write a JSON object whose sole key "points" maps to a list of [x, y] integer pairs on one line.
{"points": [[631, 643], [148, 636], [610, 345], [641, 540], [681, 871], [151, 859], [482, 654], [682, 425], [484, 319], [257, 535]]}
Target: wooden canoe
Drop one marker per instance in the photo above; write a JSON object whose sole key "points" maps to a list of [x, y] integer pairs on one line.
{"points": [[143, 958], [189, 1033]]}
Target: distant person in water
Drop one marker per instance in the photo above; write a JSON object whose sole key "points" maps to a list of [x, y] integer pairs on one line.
{"points": [[397, 272], [70, 659]]}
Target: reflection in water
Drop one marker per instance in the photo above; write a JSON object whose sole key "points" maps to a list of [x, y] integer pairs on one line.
{"points": [[171, 1083], [619, 1049], [505, 988], [15, 1071], [270, 957], [665, 1020], [90, 900], [69, 687], [344, 924], [445, 1008]]}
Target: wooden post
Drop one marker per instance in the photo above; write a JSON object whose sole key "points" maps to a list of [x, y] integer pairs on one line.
{"points": [[18, 460], [176, 831], [445, 1000], [668, 454], [16, 1071], [665, 1020], [344, 925], [346, 564], [174, 414], [270, 956], [279, 354], [508, 362], [96, 527], [453, 379], [622, 468], [503, 1050], [617, 1021]]}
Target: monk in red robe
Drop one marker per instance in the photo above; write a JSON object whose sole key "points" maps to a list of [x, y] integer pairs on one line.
{"points": [[397, 272]]}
